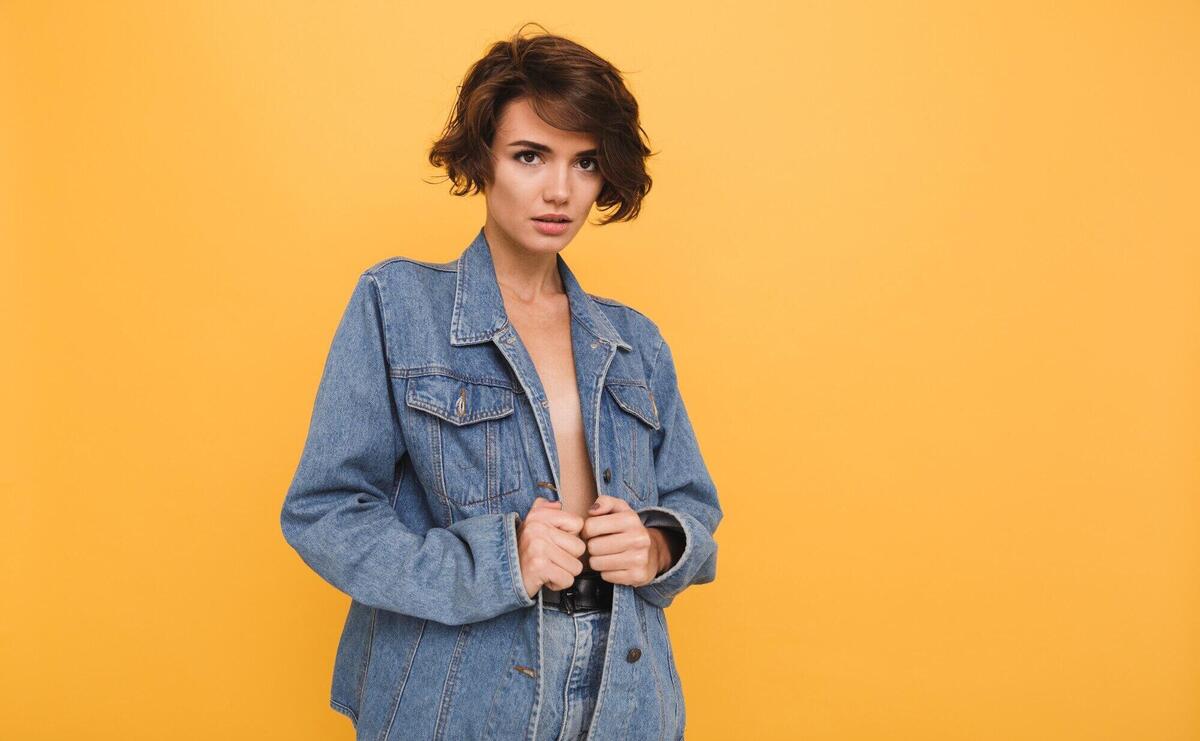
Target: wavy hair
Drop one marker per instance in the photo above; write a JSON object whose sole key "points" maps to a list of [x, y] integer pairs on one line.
{"points": [[570, 88]]}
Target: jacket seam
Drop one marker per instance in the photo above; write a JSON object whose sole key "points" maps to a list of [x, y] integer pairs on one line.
{"points": [[607, 301], [398, 486], [366, 663], [397, 371], [381, 318], [658, 688], [412, 655], [344, 710], [654, 363], [617, 381], [450, 683], [479, 416], [676, 686], [441, 267]]}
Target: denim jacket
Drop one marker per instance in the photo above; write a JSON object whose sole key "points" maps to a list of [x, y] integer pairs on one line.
{"points": [[430, 435]]}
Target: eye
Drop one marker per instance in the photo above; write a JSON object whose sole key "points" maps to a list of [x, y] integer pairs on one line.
{"points": [[595, 164], [520, 156]]}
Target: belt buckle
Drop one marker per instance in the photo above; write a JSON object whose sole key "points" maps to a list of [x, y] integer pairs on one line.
{"points": [[568, 600]]}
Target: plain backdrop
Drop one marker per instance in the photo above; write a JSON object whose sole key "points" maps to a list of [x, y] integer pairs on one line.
{"points": [[930, 272]]}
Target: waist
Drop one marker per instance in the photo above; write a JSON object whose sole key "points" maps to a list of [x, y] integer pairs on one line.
{"points": [[588, 592]]}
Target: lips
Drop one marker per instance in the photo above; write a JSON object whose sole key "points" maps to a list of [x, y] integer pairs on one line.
{"points": [[552, 218], [551, 228]]}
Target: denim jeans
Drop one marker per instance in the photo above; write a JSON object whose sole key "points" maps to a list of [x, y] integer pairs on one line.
{"points": [[574, 661]]}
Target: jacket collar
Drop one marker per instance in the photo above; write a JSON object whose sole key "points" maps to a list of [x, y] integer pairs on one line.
{"points": [[479, 308]]}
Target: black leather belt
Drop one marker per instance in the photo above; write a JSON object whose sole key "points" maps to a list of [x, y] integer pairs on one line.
{"points": [[589, 592]]}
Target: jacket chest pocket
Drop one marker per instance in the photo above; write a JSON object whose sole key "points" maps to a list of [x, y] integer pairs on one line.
{"points": [[473, 436], [633, 423]]}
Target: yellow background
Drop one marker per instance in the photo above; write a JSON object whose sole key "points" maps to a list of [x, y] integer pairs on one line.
{"points": [[931, 273]]}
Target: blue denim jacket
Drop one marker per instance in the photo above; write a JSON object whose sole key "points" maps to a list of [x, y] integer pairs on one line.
{"points": [[430, 435]]}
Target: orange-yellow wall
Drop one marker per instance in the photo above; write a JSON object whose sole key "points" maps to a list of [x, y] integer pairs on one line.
{"points": [[931, 273]]}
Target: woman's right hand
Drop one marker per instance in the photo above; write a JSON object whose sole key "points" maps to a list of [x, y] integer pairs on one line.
{"points": [[549, 546]]}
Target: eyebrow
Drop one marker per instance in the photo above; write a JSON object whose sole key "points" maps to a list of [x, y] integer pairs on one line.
{"points": [[548, 150]]}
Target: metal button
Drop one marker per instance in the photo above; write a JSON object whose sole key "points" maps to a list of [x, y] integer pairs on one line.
{"points": [[595, 344], [633, 655], [607, 475], [545, 402]]}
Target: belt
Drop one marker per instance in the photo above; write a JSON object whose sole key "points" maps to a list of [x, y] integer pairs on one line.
{"points": [[589, 592]]}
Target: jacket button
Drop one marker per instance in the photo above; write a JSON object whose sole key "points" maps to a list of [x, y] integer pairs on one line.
{"points": [[607, 475], [633, 655]]}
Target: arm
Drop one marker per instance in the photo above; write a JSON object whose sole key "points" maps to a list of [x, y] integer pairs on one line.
{"points": [[337, 513], [688, 509], [668, 543]]}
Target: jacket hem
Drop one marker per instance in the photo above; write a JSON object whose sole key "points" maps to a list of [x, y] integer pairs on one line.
{"points": [[344, 710]]}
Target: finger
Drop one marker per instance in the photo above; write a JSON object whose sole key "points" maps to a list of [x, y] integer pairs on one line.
{"points": [[544, 558], [611, 523], [569, 542], [555, 512], [606, 503], [565, 561], [634, 560], [618, 576], [558, 577], [552, 544], [607, 563], [565, 521], [603, 545]]}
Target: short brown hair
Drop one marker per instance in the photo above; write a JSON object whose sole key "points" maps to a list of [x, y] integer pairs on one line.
{"points": [[570, 88]]}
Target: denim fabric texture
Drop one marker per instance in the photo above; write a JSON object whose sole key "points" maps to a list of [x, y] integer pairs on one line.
{"points": [[430, 435], [574, 657]]}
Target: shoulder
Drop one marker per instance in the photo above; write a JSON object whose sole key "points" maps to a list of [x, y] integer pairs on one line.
{"points": [[410, 287], [405, 275], [400, 265], [634, 326]]}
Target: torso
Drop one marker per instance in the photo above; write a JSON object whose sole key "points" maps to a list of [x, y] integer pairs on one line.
{"points": [[546, 332]]}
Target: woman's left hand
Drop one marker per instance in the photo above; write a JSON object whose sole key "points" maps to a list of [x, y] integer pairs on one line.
{"points": [[620, 547]]}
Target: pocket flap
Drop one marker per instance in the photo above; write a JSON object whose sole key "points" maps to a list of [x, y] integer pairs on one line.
{"points": [[637, 400], [456, 401]]}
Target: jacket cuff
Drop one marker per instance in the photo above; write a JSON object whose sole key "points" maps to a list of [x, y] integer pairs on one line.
{"points": [[698, 548], [513, 559]]}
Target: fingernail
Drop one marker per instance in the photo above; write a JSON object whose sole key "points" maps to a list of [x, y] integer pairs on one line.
{"points": [[595, 505]]}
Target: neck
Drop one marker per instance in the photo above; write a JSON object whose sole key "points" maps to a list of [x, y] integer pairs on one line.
{"points": [[522, 274]]}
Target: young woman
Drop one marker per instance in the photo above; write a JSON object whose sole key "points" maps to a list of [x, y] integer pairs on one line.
{"points": [[500, 471]]}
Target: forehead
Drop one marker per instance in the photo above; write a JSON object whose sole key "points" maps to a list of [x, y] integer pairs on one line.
{"points": [[519, 121]]}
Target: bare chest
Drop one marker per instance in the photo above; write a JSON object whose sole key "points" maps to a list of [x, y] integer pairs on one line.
{"points": [[546, 334]]}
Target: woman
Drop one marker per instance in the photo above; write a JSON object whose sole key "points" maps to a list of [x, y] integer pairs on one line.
{"points": [[499, 470]]}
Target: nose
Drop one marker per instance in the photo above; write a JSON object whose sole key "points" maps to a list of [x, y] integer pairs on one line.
{"points": [[558, 184]]}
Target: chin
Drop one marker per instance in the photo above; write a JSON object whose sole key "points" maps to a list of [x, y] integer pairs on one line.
{"points": [[540, 242], [545, 244]]}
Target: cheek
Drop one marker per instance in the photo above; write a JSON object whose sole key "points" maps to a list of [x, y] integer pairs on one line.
{"points": [[513, 187], [594, 186]]}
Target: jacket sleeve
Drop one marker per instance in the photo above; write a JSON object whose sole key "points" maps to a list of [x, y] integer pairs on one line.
{"points": [[338, 514], [687, 496]]}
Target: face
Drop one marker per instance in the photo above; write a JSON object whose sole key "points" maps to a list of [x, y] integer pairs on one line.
{"points": [[539, 171]]}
